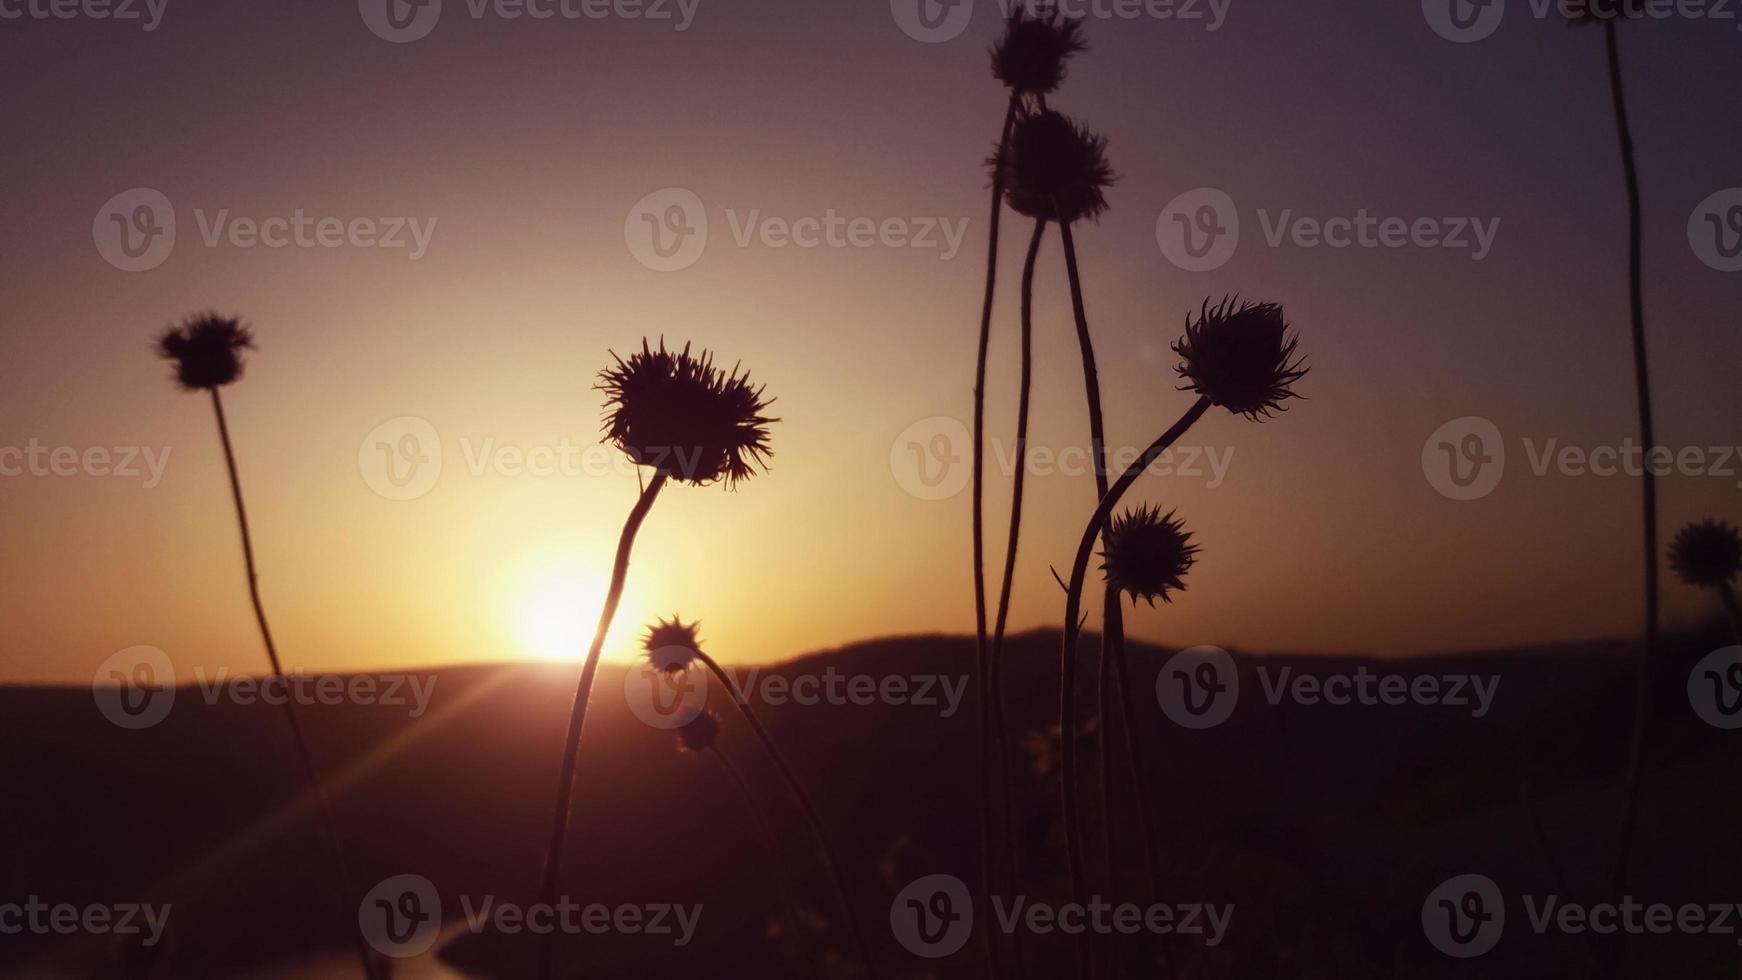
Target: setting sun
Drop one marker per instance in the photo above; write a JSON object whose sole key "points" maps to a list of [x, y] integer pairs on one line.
{"points": [[554, 615]]}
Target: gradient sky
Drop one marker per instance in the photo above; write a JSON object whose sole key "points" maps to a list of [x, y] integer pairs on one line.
{"points": [[529, 142]]}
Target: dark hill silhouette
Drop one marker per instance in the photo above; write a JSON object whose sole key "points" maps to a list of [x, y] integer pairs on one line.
{"points": [[1325, 827]]}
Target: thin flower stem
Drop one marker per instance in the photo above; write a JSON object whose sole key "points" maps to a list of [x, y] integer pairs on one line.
{"points": [[826, 852], [766, 825], [553, 855], [329, 827], [982, 656], [1728, 594], [1068, 650], [1018, 482], [1137, 773], [1112, 617], [1642, 385]]}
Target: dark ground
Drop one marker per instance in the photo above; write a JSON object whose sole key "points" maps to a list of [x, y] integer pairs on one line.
{"points": [[1325, 827]]}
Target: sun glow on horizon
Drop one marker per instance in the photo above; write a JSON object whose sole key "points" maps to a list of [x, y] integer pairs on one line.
{"points": [[554, 616]]}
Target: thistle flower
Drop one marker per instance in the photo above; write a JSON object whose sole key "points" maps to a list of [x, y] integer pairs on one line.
{"points": [[1707, 554], [1240, 356], [1054, 169], [681, 415], [207, 350], [1030, 57], [699, 733], [1148, 554], [672, 646]]}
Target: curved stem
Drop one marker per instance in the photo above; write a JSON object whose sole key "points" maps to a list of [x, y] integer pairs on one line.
{"points": [[982, 656], [305, 758], [553, 855], [1018, 481], [814, 818], [1136, 772], [1112, 617], [766, 825], [1068, 647], [1642, 386]]}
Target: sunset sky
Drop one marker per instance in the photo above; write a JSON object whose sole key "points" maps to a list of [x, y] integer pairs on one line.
{"points": [[525, 148]]}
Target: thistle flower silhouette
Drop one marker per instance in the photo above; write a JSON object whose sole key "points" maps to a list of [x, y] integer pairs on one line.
{"points": [[1030, 57], [206, 350], [1234, 374], [699, 734], [681, 415], [1054, 169], [1148, 554], [671, 645], [818, 829], [690, 421], [1241, 356], [1708, 555]]}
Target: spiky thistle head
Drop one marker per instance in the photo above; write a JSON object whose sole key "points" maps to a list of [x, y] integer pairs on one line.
{"points": [[1054, 169], [206, 349], [680, 414], [1707, 554], [699, 734], [1148, 554], [672, 646], [1241, 356], [1030, 58]]}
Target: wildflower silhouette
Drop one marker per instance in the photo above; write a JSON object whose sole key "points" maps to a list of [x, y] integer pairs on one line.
{"points": [[1241, 357], [1030, 60], [1148, 554], [1608, 13], [1708, 555], [207, 351], [681, 650], [691, 422]]}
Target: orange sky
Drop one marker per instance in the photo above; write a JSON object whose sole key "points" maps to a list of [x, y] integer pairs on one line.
{"points": [[529, 148]]}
